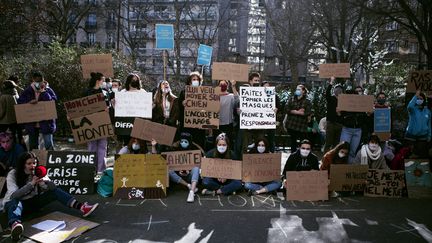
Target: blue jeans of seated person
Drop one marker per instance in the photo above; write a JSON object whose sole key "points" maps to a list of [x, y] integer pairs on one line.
{"points": [[270, 186], [193, 176], [227, 188], [15, 207], [353, 137]]}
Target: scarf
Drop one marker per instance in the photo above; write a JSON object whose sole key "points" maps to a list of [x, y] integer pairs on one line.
{"points": [[367, 153]]}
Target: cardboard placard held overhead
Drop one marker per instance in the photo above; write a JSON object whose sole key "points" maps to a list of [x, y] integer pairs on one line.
{"points": [[385, 183], [221, 168], [420, 80], [382, 120], [183, 160], [348, 178], [257, 106], [261, 167], [307, 185], [201, 107], [86, 105], [123, 125], [91, 127], [147, 130], [230, 71], [355, 103], [41, 111], [101, 63], [134, 172], [337, 70], [133, 104], [204, 55]]}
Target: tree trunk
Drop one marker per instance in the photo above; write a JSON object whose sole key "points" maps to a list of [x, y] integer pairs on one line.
{"points": [[294, 71]]}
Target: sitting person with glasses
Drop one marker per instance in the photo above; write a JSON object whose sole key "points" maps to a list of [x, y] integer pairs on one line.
{"points": [[302, 159]]}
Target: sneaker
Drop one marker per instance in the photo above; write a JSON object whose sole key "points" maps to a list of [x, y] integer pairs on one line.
{"points": [[17, 229], [208, 192], [334, 194], [87, 209], [191, 197], [190, 188]]}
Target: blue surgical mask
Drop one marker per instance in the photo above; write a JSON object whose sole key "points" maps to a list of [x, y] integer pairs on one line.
{"points": [[419, 102], [298, 92], [184, 143], [195, 83]]}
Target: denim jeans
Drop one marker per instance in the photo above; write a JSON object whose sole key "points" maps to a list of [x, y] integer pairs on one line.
{"points": [[15, 207], [227, 188], [193, 176], [270, 186], [34, 140], [100, 147], [353, 137]]}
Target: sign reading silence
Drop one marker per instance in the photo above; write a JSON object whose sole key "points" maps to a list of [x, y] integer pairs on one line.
{"points": [[164, 36], [204, 55]]}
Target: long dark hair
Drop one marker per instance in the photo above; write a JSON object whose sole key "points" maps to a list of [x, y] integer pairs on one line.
{"points": [[21, 176], [94, 77], [131, 83], [158, 96], [266, 144], [227, 154]]}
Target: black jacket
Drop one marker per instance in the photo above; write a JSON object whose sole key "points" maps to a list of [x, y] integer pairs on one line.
{"points": [[296, 162]]}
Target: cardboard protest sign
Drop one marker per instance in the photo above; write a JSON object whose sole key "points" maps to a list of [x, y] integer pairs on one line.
{"points": [[257, 106], [204, 55], [72, 171], [164, 36], [41, 111], [337, 70], [348, 178], [147, 130], [133, 104], [101, 63], [420, 80], [382, 120], [385, 183], [261, 167], [86, 105], [230, 71], [75, 226], [123, 125], [201, 107], [355, 103], [221, 168], [91, 127], [135, 173], [307, 185], [418, 178], [183, 160]]}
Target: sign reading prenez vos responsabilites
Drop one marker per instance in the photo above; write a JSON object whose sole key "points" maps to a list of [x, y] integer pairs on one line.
{"points": [[257, 106]]}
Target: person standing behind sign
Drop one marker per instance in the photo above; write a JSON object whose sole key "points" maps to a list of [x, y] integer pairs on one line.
{"points": [[333, 119], [213, 186], [165, 105], [39, 91], [261, 146], [227, 103], [8, 99]]}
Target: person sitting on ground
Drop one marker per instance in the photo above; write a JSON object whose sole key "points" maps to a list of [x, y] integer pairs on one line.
{"points": [[138, 146], [9, 152], [302, 160], [26, 193], [261, 146], [338, 155], [370, 154]]}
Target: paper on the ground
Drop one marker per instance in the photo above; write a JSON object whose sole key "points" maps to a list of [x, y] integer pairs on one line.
{"points": [[50, 225]]}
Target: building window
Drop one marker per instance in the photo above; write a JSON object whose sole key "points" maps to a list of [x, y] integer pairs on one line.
{"points": [[413, 47], [72, 39], [91, 20], [232, 49], [91, 38], [391, 46], [392, 25]]}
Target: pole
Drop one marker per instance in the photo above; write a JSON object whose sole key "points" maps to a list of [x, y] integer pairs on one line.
{"points": [[164, 55], [202, 70]]}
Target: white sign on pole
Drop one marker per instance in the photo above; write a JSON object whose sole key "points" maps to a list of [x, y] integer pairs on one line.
{"points": [[133, 104], [257, 106]]}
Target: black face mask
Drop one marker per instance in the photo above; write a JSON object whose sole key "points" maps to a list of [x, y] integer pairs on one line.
{"points": [[381, 101], [255, 85]]}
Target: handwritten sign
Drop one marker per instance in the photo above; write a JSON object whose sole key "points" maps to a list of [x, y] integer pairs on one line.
{"points": [[418, 178], [230, 71], [257, 106], [261, 167], [221, 168], [133, 104], [307, 185], [101, 63], [91, 127], [204, 55], [41, 111], [355, 103], [420, 80], [123, 125], [348, 177], [164, 36], [201, 107], [183, 160], [73, 171], [85, 106], [140, 171], [337, 70], [385, 183], [147, 130], [382, 120]]}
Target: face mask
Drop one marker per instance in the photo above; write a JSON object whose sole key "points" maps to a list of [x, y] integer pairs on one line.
{"points": [[221, 149], [109, 85], [136, 146], [255, 84], [184, 143], [195, 83], [104, 85], [381, 101], [37, 85], [360, 92], [261, 149], [419, 102], [373, 147], [114, 90], [298, 92], [166, 90], [341, 155], [304, 152], [223, 87]]}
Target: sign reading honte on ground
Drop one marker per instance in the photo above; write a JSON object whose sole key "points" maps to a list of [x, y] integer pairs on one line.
{"points": [[221, 168], [101, 63], [337, 70], [86, 105], [348, 177], [201, 107], [420, 80], [91, 127], [41, 111], [257, 106], [73, 171], [385, 183], [183, 160], [261, 167], [307, 185], [230, 71]]}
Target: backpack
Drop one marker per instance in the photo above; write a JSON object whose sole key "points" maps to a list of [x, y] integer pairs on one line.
{"points": [[105, 184]]}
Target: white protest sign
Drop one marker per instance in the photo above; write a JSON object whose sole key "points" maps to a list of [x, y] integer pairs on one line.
{"points": [[257, 106], [133, 104]]}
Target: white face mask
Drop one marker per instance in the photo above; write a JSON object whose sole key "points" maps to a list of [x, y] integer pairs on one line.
{"points": [[104, 85], [195, 83], [135, 146], [221, 149], [373, 147], [304, 152], [114, 90], [261, 149], [166, 90], [341, 155]]}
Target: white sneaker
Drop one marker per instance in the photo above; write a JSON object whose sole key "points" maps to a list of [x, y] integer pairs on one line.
{"points": [[191, 197], [190, 188]]}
